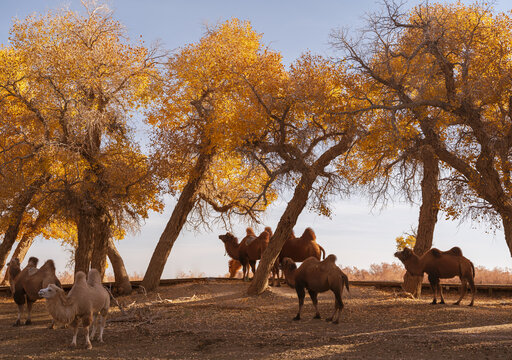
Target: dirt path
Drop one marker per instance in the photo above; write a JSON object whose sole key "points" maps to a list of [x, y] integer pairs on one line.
{"points": [[216, 320]]}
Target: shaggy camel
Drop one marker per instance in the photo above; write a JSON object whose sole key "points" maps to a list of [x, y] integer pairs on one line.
{"points": [[26, 283], [441, 265], [87, 301], [234, 266], [298, 249], [249, 250], [316, 276]]}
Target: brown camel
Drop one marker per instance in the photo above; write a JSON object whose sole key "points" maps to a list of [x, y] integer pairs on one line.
{"points": [[249, 250], [298, 249], [316, 276], [234, 266], [441, 265], [27, 283]]}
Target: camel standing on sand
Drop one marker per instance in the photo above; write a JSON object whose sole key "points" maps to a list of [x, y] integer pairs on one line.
{"points": [[441, 265], [298, 249], [26, 283], [316, 276], [87, 301], [249, 250]]}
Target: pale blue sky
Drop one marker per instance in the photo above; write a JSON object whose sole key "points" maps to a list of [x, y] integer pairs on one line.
{"points": [[356, 235]]}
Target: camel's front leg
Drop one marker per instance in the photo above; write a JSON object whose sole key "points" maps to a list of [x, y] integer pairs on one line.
{"points": [[86, 321], [94, 325], [314, 298], [301, 295], [440, 292], [102, 326], [75, 333], [433, 285]]}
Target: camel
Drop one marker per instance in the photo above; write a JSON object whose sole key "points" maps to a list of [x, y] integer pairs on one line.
{"points": [[316, 276], [26, 283], [87, 301], [298, 249], [234, 266], [249, 250], [441, 265]]}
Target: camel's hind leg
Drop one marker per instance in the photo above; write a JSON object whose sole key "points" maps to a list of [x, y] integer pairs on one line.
{"points": [[314, 298], [300, 294], [253, 268], [473, 290], [86, 322], [94, 325], [440, 292], [433, 284], [338, 307], [29, 313], [462, 291], [20, 312]]}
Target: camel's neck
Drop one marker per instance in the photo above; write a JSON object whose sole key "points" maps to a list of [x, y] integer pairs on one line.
{"points": [[232, 250], [289, 276], [61, 308], [413, 265]]}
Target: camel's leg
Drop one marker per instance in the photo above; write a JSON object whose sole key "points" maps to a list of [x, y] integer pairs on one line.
{"points": [[29, 312], [473, 290], [20, 312], [314, 298], [86, 322], [338, 306], [253, 267], [463, 288], [94, 325], [245, 270], [440, 291], [75, 333], [300, 294], [102, 325], [433, 284]]}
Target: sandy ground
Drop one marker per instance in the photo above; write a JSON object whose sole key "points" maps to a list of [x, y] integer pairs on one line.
{"points": [[217, 320]]}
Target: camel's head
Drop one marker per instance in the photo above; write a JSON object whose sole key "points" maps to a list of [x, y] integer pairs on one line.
{"points": [[288, 264], [32, 261], [405, 254], [228, 238], [50, 291], [14, 263]]}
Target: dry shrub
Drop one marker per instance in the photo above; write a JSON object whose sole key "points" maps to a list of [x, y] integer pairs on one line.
{"points": [[190, 274]]}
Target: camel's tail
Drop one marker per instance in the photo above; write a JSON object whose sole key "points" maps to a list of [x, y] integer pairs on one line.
{"points": [[345, 280], [322, 251], [472, 268]]}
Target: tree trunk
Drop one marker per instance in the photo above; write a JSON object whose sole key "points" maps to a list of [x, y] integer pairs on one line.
{"points": [[428, 215], [122, 281], [85, 236], [20, 205], [101, 243], [284, 228], [173, 228], [20, 252]]}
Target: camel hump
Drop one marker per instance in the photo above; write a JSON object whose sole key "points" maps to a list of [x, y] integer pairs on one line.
{"points": [[32, 261], [436, 252], [94, 277], [80, 277], [49, 264], [269, 230], [250, 232], [309, 234], [455, 251], [331, 258]]}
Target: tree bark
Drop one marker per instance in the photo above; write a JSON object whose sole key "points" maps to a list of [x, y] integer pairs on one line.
{"points": [[178, 218], [20, 205], [122, 280], [100, 243], [284, 228], [85, 236], [429, 209]]}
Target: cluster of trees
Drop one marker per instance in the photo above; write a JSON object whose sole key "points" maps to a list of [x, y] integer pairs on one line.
{"points": [[419, 103]]}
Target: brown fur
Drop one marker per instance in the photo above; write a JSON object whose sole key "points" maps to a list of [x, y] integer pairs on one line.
{"points": [[441, 265], [249, 250], [28, 282], [316, 276], [298, 249], [234, 266], [87, 302]]}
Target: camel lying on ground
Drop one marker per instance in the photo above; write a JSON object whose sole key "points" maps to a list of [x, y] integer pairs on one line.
{"points": [[298, 249], [26, 283], [87, 301], [249, 250], [441, 265], [316, 276]]}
